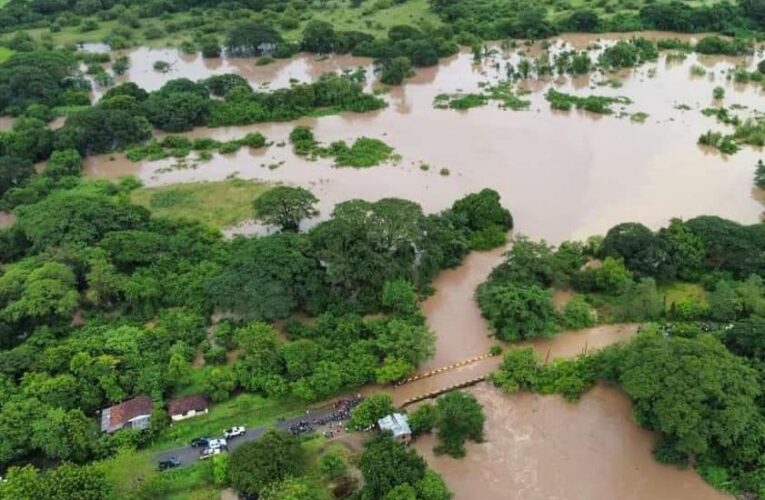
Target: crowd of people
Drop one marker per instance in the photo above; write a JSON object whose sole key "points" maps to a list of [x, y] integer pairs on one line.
{"points": [[301, 427], [341, 411]]}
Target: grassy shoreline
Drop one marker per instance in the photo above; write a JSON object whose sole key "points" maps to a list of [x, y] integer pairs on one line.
{"points": [[218, 204]]}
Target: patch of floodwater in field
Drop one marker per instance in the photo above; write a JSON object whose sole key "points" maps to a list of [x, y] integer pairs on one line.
{"points": [[277, 74], [562, 174], [541, 447]]}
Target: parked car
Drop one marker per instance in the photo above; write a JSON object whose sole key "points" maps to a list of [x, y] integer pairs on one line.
{"points": [[201, 442], [219, 443], [235, 432], [169, 463], [209, 453]]}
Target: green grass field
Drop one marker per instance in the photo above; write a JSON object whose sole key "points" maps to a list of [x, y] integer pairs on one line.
{"points": [[247, 409], [5, 53], [678, 291], [374, 17], [218, 204], [376, 21], [129, 470]]}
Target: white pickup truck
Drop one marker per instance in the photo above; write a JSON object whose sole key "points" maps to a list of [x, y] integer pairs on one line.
{"points": [[235, 432], [217, 444], [209, 453]]}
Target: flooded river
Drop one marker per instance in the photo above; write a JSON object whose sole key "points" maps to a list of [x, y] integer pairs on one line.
{"points": [[541, 447], [563, 175]]}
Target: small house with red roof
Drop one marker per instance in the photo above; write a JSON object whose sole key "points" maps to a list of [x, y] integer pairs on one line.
{"points": [[131, 414], [187, 407]]}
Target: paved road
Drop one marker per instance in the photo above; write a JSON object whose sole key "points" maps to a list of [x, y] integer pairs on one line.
{"points": [[188, 455]]}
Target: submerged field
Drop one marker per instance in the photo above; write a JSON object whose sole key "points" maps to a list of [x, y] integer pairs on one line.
{"points": [[565, 173]]}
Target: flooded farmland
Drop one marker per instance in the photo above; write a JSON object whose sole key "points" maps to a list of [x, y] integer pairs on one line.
{"points": [[562, 174]]}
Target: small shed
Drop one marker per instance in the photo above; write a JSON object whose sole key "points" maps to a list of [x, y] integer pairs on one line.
{"points": [[398, 425], [131, 414], [190, 406]]}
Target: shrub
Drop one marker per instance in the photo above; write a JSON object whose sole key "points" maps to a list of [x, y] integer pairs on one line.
{"points": [[487, 238], [577, 314], [715, 45], [332, 466], [423, 419], [395, 70], [365, 152], [369, 411], [302, 140]]}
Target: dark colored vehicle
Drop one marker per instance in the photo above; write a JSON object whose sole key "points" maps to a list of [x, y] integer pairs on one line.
{"points": [[169, 463], [200, 442]]}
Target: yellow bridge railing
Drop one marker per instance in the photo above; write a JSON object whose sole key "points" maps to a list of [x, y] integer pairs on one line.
{"points": [[443, 369]]}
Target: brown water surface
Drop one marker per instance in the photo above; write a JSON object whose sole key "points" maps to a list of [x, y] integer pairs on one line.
{"points": [[563, 175], [453, 314], [541, 447]]}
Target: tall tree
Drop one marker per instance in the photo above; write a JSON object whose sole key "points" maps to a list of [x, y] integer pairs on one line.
{"points": [[517, 312], [460, 418], [256, 465], [694, 391], [266, 278], [284, 206], [369, 411], [386, 464], [643, 253]]}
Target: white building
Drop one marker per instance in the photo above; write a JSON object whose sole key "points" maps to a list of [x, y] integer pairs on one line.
{"points": [[190, 406], [398, 425]]}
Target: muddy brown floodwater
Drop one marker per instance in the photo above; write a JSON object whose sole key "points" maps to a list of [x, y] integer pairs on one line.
{"points": [[563, 175], [541, 447]]}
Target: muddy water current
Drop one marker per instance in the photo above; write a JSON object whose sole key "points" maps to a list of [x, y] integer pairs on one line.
{"points": [[541, 447], [563, 175]]}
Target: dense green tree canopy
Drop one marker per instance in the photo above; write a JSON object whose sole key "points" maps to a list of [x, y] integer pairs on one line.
{"points": [[460, 417], [13, 172], [642, 251], [265, 278], [370, 410], [693, 390], [42, 77], [318, 37], [178, 106], [284, 206], [517, 312], [251, 39], [101, 130], [77, 218], [257, 465], [387, 464]]}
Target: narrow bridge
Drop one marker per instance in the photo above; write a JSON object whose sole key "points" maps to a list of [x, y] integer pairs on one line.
{"points": [[443, 369], [435, 394]]}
